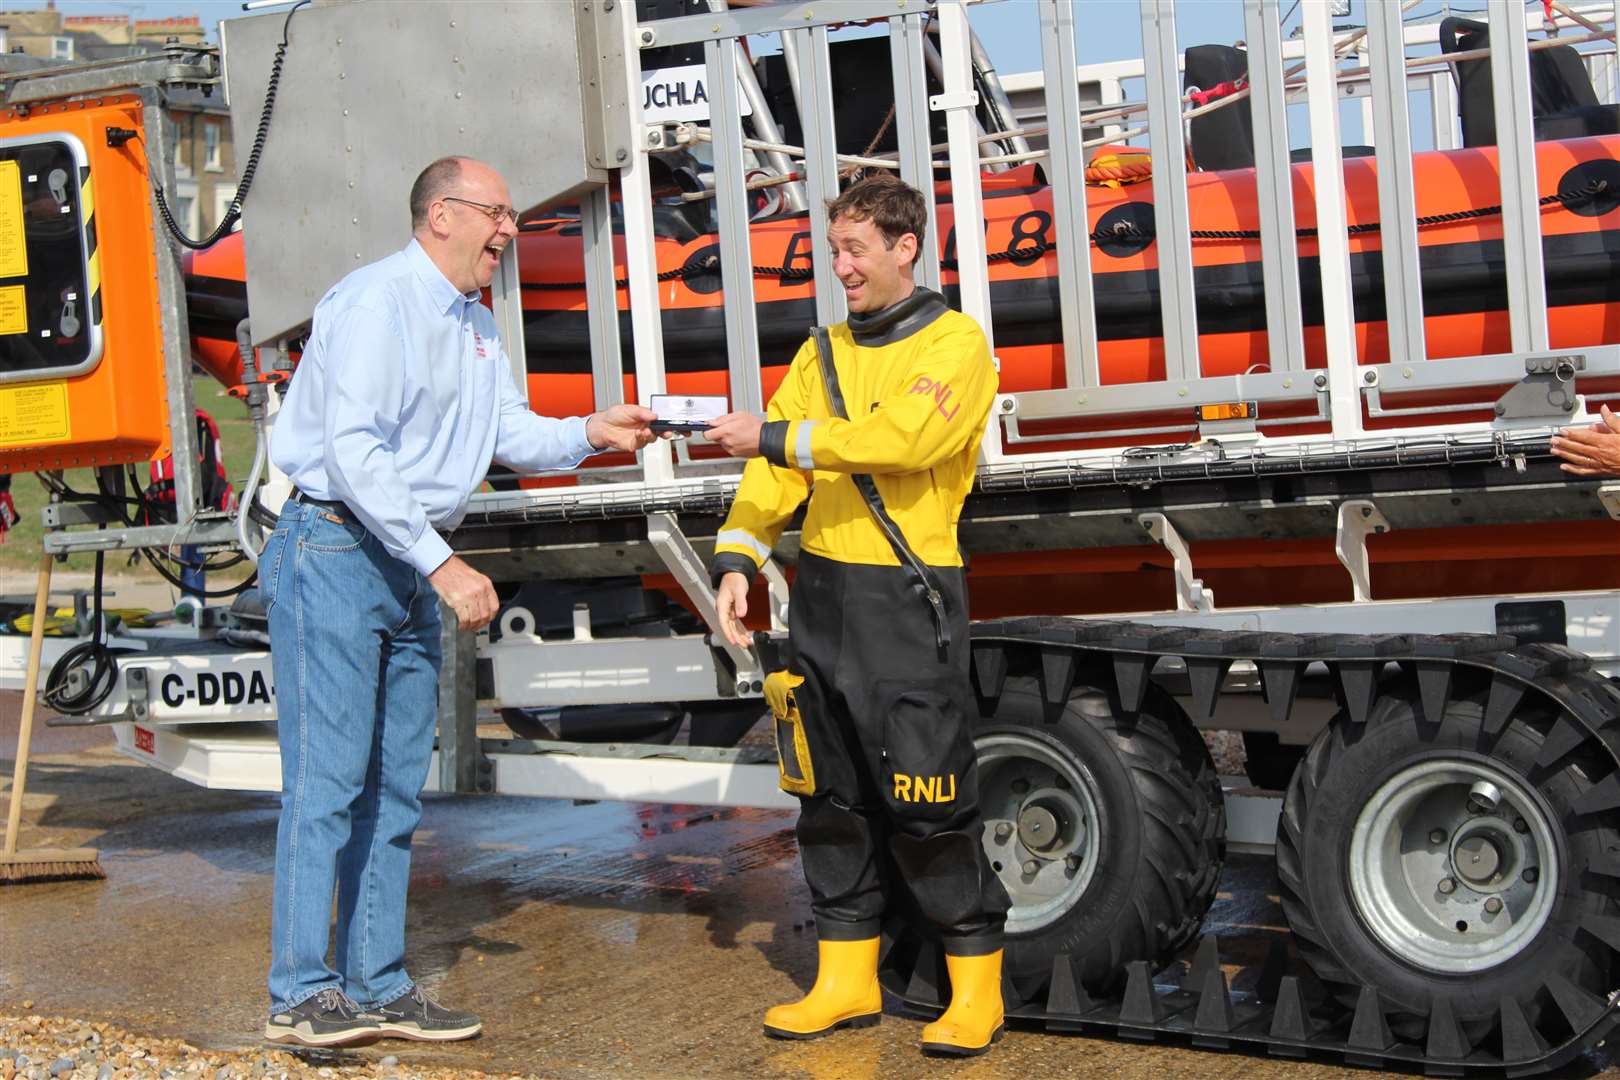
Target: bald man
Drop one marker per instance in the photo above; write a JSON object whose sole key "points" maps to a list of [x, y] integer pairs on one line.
{"points": [[401, 400]]}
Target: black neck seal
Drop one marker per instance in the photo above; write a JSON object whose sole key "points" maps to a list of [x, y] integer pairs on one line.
{"points": [[897, 321]]}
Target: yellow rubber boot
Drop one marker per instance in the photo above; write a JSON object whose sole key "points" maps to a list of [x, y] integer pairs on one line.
{"points": [[974, 1019], [845, 995]]}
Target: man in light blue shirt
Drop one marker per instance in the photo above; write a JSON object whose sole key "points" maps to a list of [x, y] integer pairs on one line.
{"points": [[401, 400]]}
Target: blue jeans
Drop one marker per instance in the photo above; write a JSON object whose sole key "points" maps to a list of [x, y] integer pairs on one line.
{"points": [[355, 647]]}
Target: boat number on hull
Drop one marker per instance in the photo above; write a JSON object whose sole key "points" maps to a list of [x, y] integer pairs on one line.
{"points": [[1029, 240], [207, 688]]}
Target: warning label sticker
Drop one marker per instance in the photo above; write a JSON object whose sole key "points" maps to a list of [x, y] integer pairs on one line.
{"points": [[13, 309], [33, 414], [13, 240]]}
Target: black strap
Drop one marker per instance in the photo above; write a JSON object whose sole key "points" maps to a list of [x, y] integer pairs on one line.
{"points": [[924, 575]]}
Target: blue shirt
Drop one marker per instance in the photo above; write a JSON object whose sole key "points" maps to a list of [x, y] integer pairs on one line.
{"points": [[402, 398]]}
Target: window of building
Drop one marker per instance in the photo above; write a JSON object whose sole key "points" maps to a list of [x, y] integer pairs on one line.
{"points": [[61, 48], [211, 158], [222, 203], [177, 149]]}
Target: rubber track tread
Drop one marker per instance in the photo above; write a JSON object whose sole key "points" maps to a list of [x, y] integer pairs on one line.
{"points": [[1555, 680]]}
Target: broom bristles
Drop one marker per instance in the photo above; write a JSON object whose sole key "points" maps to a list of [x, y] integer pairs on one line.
{"points": [[28, 867]]}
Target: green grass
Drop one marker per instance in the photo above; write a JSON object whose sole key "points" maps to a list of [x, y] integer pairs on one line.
{"points": [[19, 555]]}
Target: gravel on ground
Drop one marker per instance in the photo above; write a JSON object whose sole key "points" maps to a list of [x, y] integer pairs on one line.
{"points": [[60, 1048]]}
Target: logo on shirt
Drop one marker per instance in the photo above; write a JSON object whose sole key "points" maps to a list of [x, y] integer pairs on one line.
{"points": [[941, 393], [478, 344]]}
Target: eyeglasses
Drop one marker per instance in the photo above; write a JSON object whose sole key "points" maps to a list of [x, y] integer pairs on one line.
{"points": [[493, 212]]}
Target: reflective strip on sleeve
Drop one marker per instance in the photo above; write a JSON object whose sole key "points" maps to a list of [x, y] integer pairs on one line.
{"points": [[801, 445], [743, 538]]}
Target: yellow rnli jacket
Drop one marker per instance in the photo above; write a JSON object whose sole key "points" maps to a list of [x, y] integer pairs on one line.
{"points": [[918, 383]]}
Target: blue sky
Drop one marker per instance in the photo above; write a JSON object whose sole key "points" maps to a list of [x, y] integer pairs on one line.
{"points": [[1008, 29], [1109, 29]]}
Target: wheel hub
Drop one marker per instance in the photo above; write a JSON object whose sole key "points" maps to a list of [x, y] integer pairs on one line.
{"points": [[1453, 865], [1038, 829], [1040, 814], [1477, 860]]}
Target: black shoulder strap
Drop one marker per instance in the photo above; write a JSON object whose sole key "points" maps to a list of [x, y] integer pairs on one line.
{"points": [[924, 575]]}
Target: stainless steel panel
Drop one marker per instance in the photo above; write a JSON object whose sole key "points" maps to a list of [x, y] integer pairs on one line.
{"points": [[370, 93]]}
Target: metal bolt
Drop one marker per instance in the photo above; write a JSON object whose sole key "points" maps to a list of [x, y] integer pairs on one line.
{"points": [[1484, 797], [1530, 874], [648, 37], [1521, 826], [1447, 886], [1003, 831], [1370, 377], [1321, 381], [621, 155], [1438, 836], [1493, 906], [742, 686], [1072, 863], [1031, 867]]}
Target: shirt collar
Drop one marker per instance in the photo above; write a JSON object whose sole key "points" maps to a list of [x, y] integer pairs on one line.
{"points": [[445, 296]]}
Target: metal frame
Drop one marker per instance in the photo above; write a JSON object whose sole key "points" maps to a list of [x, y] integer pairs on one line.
{"points": [[736, 252], [810, 59], [1274, 190], [1172, 222], [1521, 220], [601, 302], [907, 38], [1397, 196], [1066, 167]]}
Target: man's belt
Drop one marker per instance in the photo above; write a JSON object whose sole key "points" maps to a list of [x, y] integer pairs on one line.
{"points": [[334, 505]]}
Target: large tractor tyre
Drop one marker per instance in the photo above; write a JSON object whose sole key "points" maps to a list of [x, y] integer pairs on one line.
{"points": [[1108, 832], [1436, 860]]}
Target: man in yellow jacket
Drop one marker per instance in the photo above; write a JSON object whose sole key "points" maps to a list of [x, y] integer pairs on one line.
{"points": [[875, 713]]}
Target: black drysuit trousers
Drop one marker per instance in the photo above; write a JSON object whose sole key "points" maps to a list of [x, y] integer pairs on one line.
{"points": [[889, 726]]}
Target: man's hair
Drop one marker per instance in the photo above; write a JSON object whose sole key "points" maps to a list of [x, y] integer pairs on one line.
{"points": [[434, 182], [888, 202]]}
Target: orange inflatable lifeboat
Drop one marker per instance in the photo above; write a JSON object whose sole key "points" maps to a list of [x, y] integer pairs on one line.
{"points": [[1460, 234]]}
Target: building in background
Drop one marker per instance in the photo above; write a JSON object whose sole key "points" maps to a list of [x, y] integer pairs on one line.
{"points": [[204, 156], [51, 35]]}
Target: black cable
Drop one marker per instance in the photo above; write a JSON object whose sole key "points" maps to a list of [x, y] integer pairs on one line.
{"points": [[234, 211], [94, 655], [160, 560]]}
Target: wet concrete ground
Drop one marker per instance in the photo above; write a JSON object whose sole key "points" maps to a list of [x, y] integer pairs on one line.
{"points": [[604, 940]]}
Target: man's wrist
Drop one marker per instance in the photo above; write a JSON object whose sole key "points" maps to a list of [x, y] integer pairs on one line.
{"points": [[590, 442]]}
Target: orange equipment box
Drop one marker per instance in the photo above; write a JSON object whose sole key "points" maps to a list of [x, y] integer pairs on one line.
{"points": [[81, 355]]}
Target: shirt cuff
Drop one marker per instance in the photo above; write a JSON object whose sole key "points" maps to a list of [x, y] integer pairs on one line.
{"points": [[582, 443], [428, 553], [773, 436]]}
